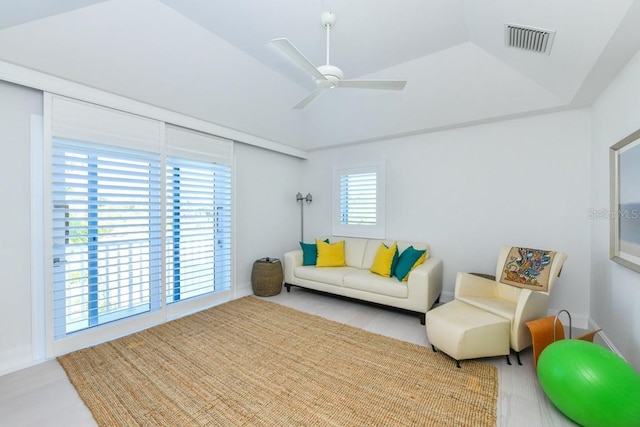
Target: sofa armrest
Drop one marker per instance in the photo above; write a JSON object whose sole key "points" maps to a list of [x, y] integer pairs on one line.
{"points": [[470, 285], [425, 282], [292, 259]]}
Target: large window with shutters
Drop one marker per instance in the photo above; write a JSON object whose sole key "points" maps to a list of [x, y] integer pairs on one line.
{"points": [[140, 221], [106, 234], [358, 200]]}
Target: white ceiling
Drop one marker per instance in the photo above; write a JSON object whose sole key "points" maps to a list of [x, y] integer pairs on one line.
{"points": [[211, 59]]}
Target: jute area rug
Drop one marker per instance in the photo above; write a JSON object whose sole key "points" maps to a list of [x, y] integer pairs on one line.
{"points": [[251, 362]]}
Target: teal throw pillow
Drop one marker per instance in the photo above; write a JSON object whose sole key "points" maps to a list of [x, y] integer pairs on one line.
{"points": [[310, 253], [394, 263], [406, 261]]}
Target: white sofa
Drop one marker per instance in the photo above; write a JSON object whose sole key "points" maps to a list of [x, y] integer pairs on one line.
{"points": [[355, 280]]}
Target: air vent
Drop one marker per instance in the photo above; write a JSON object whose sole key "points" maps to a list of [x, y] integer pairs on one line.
{"points": [[528, 38]]}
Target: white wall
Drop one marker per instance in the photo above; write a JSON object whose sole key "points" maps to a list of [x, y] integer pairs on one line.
{"points": [[267, 215], [267, 220], [529, 181], [615, 290], [16, 107], [467, 191]]}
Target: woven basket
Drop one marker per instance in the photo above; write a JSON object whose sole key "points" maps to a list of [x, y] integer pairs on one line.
{"points": [[266, 277]]}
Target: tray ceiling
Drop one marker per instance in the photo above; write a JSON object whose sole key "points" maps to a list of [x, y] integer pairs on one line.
{"points": [[212, 60]]}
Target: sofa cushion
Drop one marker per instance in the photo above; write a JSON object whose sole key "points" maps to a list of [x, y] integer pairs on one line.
{"points": [[383, 263], [332, 276], [330, 254], [364, 280], [370, 252], [310, 253], [408, 260], [354, 249]]}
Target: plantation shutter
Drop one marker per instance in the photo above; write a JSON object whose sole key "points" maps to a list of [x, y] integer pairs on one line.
{"points": [[359, 201], [106, 229], [198, 235]]}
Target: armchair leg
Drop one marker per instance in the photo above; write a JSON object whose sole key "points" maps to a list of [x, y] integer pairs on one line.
{"points": [[433, 347], [508, 360], [423, 317], [458, 364], [518, 357]]}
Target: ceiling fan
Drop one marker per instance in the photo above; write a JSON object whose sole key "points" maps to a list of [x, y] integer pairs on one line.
{"points": [[328, 76]]}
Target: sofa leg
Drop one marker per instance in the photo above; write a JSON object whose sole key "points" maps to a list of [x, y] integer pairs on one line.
{"points": [[423, 318], [508, 360], [433, 347], [458, 364], [518, 357], [288, 286]]}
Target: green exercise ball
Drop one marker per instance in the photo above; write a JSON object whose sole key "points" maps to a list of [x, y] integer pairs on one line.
{"points": [[590, 384]]}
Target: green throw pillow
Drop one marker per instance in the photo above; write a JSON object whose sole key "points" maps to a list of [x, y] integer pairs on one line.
{"points": [[406, 262], [394, 263], [310, 253]]}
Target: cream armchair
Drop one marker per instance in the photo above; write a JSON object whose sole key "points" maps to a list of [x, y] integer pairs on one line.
{"points": [[518, 305]]}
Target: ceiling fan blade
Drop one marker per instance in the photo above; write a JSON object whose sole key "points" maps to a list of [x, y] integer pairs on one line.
{"points": [[308, 99], [297, 57], [373, 84]]}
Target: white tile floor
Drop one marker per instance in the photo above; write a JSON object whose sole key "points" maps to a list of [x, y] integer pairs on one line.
{"points": [[42, 395]]}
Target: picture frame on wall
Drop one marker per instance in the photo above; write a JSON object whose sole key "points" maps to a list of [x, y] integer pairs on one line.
{"points": [[624, 162]]}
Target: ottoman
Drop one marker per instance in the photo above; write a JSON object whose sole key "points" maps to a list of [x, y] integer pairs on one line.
{"points": [[466, 332]]}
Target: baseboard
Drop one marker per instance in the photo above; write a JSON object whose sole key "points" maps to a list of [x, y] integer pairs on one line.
{"points": [[243, 289], [16, 368], [603, 336]]}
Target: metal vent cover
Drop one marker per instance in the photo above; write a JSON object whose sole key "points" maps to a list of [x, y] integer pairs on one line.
{"points": [[528, 38]]}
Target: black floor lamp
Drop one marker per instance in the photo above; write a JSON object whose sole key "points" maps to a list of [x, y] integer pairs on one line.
{"points": [[301, 199]]}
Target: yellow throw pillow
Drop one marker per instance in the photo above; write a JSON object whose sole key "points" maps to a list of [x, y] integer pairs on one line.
{"points": [[330, 254], [384, 259]]}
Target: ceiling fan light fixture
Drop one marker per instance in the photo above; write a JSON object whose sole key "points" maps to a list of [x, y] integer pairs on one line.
{"points": [[326, 83], [331, 71], [328, 76]]}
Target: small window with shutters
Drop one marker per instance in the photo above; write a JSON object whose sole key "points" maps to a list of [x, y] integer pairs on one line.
{"points": [[358, 207]]}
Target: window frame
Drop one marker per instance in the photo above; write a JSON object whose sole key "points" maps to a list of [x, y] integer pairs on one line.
{"points": [[372, 231], [102, 125]]}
